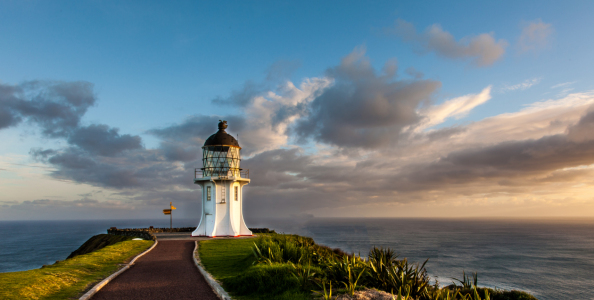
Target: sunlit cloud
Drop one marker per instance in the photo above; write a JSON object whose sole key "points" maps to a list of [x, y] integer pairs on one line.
{"points": [[453, 108]]}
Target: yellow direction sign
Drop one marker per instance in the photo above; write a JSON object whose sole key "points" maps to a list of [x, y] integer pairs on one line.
{"points": [[168, 212]]}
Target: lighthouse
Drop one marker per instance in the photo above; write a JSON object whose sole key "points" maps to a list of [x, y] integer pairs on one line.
{"points": [[222, 181]]}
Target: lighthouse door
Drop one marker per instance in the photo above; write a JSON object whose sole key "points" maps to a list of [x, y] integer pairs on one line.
{"points": [[209, 224]]}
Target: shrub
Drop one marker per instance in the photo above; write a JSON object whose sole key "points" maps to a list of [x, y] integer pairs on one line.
{"points": [[387, 273], [294, 263]]}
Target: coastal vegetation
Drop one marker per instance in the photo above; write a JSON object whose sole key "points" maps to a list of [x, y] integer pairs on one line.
{"points": [[69, 278], [279, 266]]}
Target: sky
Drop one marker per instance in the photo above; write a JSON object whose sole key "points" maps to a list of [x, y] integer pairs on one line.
{"points": [[342, 108]]}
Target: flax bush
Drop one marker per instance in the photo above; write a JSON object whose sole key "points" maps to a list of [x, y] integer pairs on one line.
{"points": [[291, 262]]}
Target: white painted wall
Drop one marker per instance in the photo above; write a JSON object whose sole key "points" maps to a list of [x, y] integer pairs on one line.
{"points": [[222, 219]]}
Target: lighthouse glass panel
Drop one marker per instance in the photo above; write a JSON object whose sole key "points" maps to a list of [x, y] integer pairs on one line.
{"points": [[220, 161]]}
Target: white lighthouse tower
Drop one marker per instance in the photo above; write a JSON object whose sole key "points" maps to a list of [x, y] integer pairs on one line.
{"points": [[222, 183]]}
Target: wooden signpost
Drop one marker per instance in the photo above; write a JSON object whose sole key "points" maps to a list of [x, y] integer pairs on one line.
{"points": [[168, 212]]}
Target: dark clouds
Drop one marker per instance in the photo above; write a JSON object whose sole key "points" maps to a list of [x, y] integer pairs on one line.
{"points": [[102, 140], [291, 180], [184, 141], [278, 167], [354, 119], [142, 169], [196, 128], [364, 109], [96, 154], [57, 107], [527, 162], [584, 129], [54, 105]]}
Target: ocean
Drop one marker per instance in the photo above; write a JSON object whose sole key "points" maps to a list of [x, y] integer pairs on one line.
{"points": [[552, 259]]}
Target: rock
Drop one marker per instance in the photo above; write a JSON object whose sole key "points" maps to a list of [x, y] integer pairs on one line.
{"points": [[369, 294]]}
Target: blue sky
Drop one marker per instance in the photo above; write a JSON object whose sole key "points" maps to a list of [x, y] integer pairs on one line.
{"points": [[157, 66]]}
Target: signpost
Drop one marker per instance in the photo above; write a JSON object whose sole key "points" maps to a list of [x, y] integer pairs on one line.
{"points": [[168, 212]]}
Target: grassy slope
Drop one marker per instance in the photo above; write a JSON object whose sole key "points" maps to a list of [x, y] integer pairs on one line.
{"points": [[67, 279], [228, 260], [97, 242]]}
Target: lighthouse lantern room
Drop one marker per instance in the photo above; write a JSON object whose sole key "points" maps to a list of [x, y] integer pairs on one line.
{"points": [[222, 181]]}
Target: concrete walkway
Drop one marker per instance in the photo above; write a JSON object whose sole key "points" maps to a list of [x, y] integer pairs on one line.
{"points": [[166, 236], [166, 272]]}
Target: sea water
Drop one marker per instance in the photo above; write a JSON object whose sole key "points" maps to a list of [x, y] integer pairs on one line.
{"points": [[551, 259]]}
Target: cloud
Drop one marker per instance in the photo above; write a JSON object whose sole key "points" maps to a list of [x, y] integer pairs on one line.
{"points": [[281, 70], [277, 73], [184, 141], [416, 74], [243, 96], [583, 131], [528, 83], [135, 170], [564, 84], [483, 50], [56, 106], [263, 125], [565, 88], [524, 162], [510, 154], [459, 169], [535, 36], [373, 147], [102, 140], [457, 108], [362, 108], [101, 156], [96, 153]]}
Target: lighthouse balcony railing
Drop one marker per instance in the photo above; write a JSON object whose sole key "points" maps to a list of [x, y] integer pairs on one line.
{"points": [[218, 173]]}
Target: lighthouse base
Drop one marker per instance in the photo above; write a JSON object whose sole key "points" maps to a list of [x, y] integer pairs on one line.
{"points": [[209, 228]]}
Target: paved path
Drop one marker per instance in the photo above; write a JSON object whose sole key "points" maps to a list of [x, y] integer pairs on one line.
{"points": [[162, 236], [166, 272]]}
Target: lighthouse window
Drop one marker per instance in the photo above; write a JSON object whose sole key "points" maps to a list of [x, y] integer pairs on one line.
{"points": [[236, 193], [222, 194], [208, 193]]}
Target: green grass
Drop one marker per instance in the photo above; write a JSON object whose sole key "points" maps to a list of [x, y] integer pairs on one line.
{"points": [[226, 258], [97, 242], [231, 262], [68, 279]]}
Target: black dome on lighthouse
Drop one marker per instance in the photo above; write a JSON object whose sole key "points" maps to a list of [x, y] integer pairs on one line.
{"points": [[222, 138]]}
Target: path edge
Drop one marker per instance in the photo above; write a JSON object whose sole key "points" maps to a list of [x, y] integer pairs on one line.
{"points": [[111, 277], [216, 287]]}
